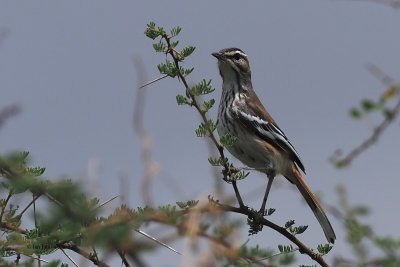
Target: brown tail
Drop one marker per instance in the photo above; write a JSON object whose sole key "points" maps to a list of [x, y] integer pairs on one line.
{"points": [[313, 203]]}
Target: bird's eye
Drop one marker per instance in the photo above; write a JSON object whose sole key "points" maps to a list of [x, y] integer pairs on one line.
{"points": [[236, 56]]}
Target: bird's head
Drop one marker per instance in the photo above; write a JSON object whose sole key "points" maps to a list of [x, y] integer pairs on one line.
{"points": [[233, 62]]}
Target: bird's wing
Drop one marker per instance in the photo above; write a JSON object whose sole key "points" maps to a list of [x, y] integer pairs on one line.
{"points": [[270, 133]]}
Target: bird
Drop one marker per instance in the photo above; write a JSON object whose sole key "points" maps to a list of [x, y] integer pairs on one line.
{"points": [[260, 143]]}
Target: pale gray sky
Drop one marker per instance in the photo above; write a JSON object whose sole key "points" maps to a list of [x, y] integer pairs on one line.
{"points": [[69, 66]]}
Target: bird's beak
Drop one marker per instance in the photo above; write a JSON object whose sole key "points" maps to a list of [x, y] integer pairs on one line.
{"points": [[218, 55]]}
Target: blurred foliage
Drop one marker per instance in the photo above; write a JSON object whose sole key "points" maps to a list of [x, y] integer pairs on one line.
{"points": [[67, 219]]}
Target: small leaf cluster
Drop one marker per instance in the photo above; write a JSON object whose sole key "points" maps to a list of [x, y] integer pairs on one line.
{"points": [[240, 175], [166, 45], [324, 249], [218, 161], [270, 211], [202, 88], [286, 256], [295, 230], [255, 222], [256, 251], [205, 128], [367, 105], [227, 140], [187, 204]]}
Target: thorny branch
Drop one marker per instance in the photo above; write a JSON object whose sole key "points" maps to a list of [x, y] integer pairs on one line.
{"points": [[303, 249], [185, 227], [61, 245], [228, 171]]}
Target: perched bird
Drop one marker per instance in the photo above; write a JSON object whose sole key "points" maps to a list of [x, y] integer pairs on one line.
{"points": [[260, 143]]}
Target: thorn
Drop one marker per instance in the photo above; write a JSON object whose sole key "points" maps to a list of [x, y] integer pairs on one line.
{"points": [[158, 241], [106, 202], [153, 81], [69, 257]]}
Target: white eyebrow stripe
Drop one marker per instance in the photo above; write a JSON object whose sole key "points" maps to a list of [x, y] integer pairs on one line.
{"points": [[231, 53]]}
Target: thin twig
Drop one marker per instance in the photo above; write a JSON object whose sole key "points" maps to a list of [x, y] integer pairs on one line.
{"points": [[16, 262], [95, 253], [18, 251], [8, 112], [71, 259], [10, 193], [239, 198], [35, 258], [83, 253], [36, 223], [13, 228], [30, 204], [151, 167], [123, 258]]}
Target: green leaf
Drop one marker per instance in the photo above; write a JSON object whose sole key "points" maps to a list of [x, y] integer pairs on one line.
{"points": [[186, 72], [324, 249], [202, 88], [168, 68], [188, 204], [387, 243], [286, 259], [298, 229], [151, 31], [205, 128], [36, 171], [289, 224], [217, 161], [355, 113], [160, 47], [181, 100], [174, 44], [360, 210], [255, 222], [187, 51], [240, 175], [286, 249], [270, 211], [368, 105], [256, 251], [227, 140], [208, 104], [175, 31]]}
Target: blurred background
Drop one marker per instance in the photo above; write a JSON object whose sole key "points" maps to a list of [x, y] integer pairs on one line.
{"points": [[70, 68]]}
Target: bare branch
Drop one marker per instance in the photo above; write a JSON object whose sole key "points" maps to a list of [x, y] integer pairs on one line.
{"points": [[151, 167], [8, 112], [378, 130], [391, 3]]}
